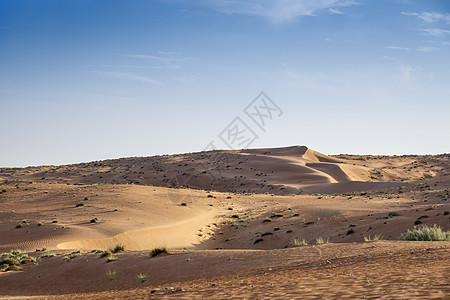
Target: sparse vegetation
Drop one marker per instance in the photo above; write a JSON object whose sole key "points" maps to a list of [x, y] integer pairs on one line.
{"points": [[106, 253], [142, 277], [376, 237], [111, 275], [118, 248], [111, 258], [158, 251], [321, 240], [50, 254], [426, 233], [267, 220], [393, 214], [299, 242], [13, 260], [94, 220]]}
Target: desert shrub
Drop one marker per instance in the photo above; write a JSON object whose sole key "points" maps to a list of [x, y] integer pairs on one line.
{"points": [[40, 224], [106, 253], [393, 214], [19, 225], [158, 251], [79, 204], [376, 237], [94, 220], [299, 242], [111, 258], [48, 254], [142, 277], [111, 275], [118, 248], [321, 240], [267, 220], [13, 268], [426, 233]]}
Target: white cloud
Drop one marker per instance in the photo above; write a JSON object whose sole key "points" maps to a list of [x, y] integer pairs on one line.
{"points": [[335, 11], [279, 10], [406, 71], [129, 76], [427, 49], [435, 32], [430, 17], [397, 48]]}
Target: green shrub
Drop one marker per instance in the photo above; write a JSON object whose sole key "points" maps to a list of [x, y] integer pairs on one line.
{"points": [[321, 240], [425, 233], [106, 253], [142, 277], [299, 242], [111, 258], [376, 237], [118, 248], [158, 251], [111, 275]]}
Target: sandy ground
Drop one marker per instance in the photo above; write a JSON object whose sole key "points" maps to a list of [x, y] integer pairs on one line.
{"points": [[231, 234]]}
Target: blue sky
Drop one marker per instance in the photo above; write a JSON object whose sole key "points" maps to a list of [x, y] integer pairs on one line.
{"points": [[89, 80]]}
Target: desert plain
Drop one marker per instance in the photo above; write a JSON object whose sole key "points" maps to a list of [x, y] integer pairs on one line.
{"points": [[283, 223]]}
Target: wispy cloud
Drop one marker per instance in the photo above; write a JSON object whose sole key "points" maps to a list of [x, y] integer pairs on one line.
{"points": [[398, 48], [419, 49], [430, 17], [427, 49], [435, 32], [129, 76], [279, 10], [169, 60]]}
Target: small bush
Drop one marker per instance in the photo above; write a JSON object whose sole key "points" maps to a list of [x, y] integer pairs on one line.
{"points": [[106, 253], [14, 268], [48, 255], [426, 233], [376, 237], [94, 220], [158, 251], [19, 225], [299, 242], [118, 248], [40, 224], [393, 214], [266, 220], [111, 258], [183, 204], [321, 240], [111, 275], [142, 277]]}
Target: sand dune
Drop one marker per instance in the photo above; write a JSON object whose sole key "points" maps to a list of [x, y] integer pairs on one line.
{"points": [[280, 171], [230, 220]]}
